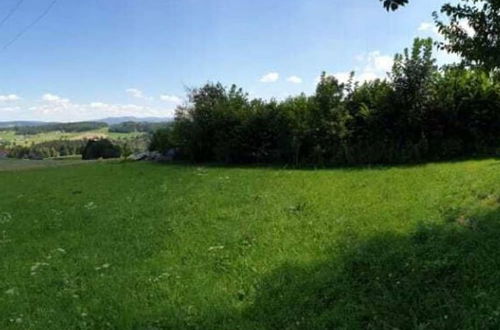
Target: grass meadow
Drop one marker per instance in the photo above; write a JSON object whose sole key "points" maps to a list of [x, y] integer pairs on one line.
{"points": [[124, 245]]}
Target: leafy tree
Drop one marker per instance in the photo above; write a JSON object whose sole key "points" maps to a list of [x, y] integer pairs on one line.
{"points": [[161, 140], [472, 30], [394, 4]]}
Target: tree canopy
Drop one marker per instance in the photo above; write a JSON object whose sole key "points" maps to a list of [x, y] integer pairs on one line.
{"points": [[394, 4], [471, 29]]}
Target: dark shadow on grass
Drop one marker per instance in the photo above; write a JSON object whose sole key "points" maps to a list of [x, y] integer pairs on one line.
{"points": [[438, 277], [305, 167]]}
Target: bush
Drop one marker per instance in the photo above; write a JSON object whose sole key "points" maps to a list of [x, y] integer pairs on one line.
{"points": [[161, 140], [102, 148]]}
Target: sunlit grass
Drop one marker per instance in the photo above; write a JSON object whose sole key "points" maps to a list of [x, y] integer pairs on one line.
{"points": [[139, 245]]}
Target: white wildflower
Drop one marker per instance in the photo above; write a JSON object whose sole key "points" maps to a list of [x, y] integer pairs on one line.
{"points": [[5, 217], [218, 247], [90, 206], [11, 291]]}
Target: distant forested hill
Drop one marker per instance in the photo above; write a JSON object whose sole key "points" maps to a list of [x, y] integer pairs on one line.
{"points": [[10, 124]]}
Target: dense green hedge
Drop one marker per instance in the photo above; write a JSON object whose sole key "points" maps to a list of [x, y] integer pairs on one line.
{"points": [[420, 113]]}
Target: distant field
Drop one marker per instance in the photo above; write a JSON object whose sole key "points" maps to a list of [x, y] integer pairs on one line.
{"points": [[147, 246], [26, 140]]}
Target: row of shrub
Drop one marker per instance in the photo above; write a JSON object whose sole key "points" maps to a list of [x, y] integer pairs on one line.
{"points": [[419, 113]]}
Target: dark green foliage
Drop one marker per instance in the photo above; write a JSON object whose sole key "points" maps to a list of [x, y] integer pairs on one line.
{"points": [[394, 4], [102, 148], [421, 113], [161, 140], [471, 30], [56, 148], [62, 127], [480, 46]]}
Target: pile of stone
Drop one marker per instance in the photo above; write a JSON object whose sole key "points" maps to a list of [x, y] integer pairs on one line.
{"points": [[169, 155]]}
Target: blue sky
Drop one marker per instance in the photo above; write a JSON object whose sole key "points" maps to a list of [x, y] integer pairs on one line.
{"points": [[99, 58]]}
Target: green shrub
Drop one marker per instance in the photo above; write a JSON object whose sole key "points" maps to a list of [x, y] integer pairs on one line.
{"points": [[101, 148]]}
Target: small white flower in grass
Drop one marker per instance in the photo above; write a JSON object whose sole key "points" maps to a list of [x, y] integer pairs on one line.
{"points": [[37, 265], [11, 291], [104, 266], [218, 247], [90, 206], [5, 217]]}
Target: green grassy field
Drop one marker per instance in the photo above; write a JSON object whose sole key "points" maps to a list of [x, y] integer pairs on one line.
{"points": [[12, 164], [27, 140], [148, 246]]}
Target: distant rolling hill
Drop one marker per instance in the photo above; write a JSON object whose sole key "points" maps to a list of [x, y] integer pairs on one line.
{"points": [[4, 124], [109, 121], [119, 120]]}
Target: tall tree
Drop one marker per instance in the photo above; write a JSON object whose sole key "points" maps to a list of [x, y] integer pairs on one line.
{"points": [[472, 30]]}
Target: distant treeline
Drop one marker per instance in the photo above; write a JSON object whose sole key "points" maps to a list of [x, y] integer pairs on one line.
{"points": [[61, 127], [56, 148], [420, 113], [130, 127], [61, 148]]}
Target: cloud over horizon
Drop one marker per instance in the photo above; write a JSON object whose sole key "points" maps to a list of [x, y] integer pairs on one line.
{"points": [[270, 77]]}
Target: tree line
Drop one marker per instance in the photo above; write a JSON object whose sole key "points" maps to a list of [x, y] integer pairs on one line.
{"points": [[419, 113], [64, 147], [131, 127], [61, 127]]}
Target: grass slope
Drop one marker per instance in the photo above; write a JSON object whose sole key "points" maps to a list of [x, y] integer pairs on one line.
{"points": [[146, 246]]}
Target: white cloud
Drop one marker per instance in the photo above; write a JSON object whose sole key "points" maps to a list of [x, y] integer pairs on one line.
{"points": [[171, 99], [342, 77], [10, 109], [134, 92], [138, 94], [270, 77], [378, 63], [294, 80], [426, 26], [9, 98], [373, 65], [98, 105], [57, 108], [68, 111], [52, 98]]}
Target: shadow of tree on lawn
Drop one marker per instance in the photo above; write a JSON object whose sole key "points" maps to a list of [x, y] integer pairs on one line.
{"points": [[439, 277]]}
